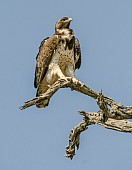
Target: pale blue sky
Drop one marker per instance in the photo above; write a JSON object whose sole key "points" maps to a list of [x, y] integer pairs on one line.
{"points": [[35, 139]]}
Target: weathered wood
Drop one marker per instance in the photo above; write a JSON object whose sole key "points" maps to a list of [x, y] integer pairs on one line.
{"points": [[111, 115]]}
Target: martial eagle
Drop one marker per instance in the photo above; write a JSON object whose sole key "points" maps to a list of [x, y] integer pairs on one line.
{"points": [[58, 57]]}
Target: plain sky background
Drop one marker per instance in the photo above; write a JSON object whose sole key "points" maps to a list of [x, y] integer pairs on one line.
{"points": [[35, 139]]}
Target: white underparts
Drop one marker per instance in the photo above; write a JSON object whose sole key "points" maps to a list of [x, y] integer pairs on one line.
{"points": [[62, 62], [54, 70]]}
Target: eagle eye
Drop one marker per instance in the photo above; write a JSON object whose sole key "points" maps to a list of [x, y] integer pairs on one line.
{"points": [[63, 19]]}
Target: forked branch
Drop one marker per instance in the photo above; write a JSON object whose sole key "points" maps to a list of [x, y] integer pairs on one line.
{"points": [[111, 115]]}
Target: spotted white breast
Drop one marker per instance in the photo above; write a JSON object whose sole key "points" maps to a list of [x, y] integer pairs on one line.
{"points": [[62, 63]]}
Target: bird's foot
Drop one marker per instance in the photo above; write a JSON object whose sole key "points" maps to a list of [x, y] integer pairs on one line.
{"points": [[63, 79], [74, 80], [77, 82]]}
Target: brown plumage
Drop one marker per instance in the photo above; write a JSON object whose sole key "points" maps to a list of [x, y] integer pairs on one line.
{"points": [[58, 57]]}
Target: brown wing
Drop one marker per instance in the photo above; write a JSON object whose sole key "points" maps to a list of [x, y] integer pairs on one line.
{"points": [[77, 54], [44, 57]]}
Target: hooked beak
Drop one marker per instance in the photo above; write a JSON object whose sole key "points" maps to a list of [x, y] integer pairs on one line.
{"points": [[70, 19]]}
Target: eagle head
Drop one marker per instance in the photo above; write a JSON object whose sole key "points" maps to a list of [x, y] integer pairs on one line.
{"points": [[63, 23]]}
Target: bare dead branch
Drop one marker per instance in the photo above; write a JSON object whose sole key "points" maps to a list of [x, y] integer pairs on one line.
{"points": [[111, 115], [49, 93], [91, 118]]}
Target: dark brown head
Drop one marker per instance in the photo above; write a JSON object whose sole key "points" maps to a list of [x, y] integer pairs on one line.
{"points": [[63, 23]]}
